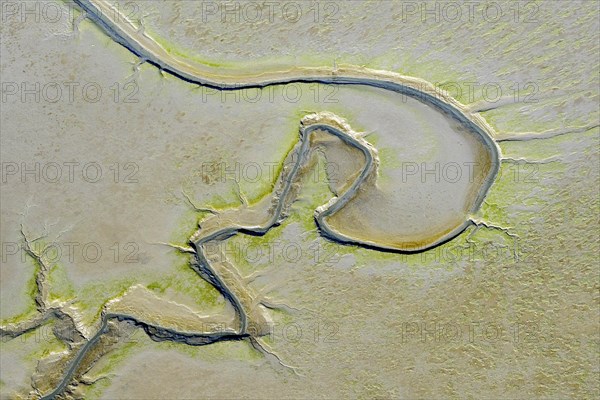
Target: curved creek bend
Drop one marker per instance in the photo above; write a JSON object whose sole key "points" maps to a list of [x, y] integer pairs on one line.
{"points": [[394, 217]]}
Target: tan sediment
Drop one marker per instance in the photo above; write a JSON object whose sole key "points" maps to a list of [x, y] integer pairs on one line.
{"points": [[165, 320]]}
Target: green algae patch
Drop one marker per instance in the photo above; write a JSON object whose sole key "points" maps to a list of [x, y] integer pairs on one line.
{"points": [[540, 149], [513, 186], [35, 344], [46, 341], [172, 48], [27, 315], [183, 279], [389, 159], [515, 118], [455, 82], [185, 226], [315, 192], [257, 191], [215, 352], [157, 287], [30, 291], [250, 252], [109, 363], [60, 286], [220, 203], [92, 297], [180, 277], [265, 63]]}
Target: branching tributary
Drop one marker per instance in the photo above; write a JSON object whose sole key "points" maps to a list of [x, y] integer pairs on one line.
{"points": [[251, 318]]}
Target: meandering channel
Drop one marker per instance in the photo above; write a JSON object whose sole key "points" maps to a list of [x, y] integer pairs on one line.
{"points": [[220, 274]]}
